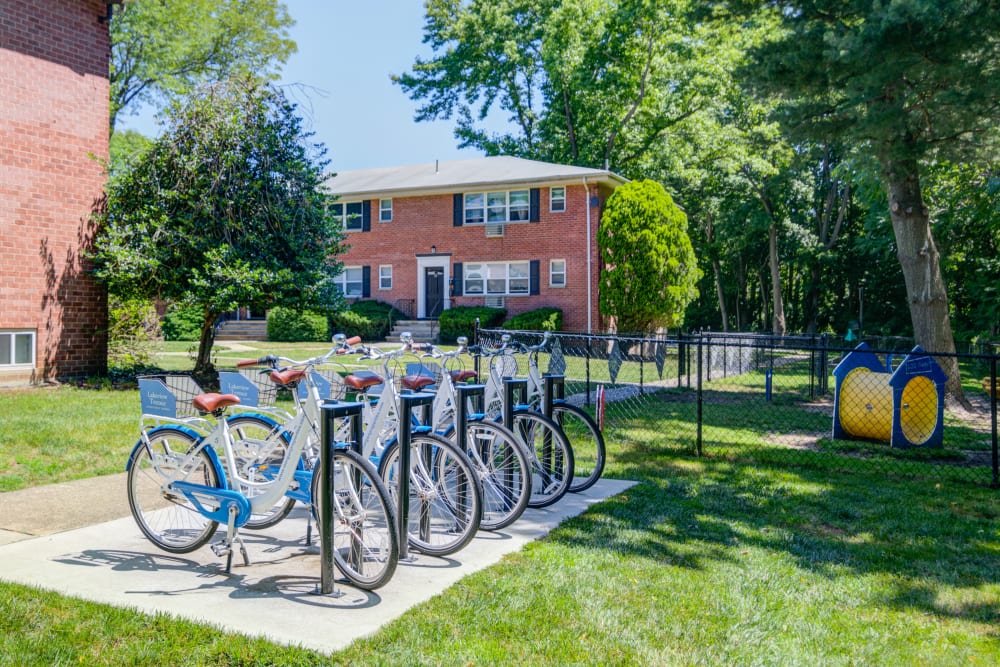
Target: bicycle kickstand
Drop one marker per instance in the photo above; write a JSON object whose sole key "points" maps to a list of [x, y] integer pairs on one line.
{"points": [[226, 547]]}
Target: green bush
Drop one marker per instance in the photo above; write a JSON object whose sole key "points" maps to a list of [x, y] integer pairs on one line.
{"points": [[350, 324], [290, 326], [183, 322], [372, 320], [540, 319], [461, 321], [133, 333]]}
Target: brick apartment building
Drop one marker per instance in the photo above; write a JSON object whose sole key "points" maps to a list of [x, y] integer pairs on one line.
{"points": [[54, 92], [498, 231]]}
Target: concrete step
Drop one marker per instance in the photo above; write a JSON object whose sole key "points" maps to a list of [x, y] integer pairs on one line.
{"points": [[242, 330], [423, 331]]}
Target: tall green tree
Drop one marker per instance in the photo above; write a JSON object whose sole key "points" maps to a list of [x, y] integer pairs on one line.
{"points": [[586, 82], [224, 209], [164, 49], [650, 272], [910, 82]]}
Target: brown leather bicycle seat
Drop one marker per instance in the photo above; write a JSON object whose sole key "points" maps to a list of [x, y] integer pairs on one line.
{"points": [[286, 377], [213, 402], [416, 382], [463, 375], [362, 382]]}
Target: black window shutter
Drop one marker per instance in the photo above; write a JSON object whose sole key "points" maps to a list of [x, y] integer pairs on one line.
{"points": [[533, 277], [458, 215], [534, 210], [456, 271], [366, 215], [366, 282]]}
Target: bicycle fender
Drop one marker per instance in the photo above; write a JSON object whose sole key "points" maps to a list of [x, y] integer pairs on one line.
{"points": [[173, 427], [213, 457]]}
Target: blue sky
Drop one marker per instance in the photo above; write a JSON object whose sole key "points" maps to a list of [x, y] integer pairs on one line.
{"points": [[347, 50]]}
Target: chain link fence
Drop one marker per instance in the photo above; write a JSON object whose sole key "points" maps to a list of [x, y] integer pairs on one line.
{"points": [[797, 400]]}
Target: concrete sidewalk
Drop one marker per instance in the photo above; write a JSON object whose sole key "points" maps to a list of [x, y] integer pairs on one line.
{"points": [[274, 597]]}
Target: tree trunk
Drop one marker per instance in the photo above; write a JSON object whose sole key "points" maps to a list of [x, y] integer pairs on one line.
{"points": [[921, 263], [720, 294], [778, 322], [203, 368]]}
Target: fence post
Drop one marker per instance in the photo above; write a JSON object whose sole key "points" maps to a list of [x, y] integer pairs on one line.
{"points": [[642, 357], [680, 359], [993, 421], [698, 440], [589, 339]]}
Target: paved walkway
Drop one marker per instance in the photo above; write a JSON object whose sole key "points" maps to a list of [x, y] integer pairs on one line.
{"points": [[78, 539]]}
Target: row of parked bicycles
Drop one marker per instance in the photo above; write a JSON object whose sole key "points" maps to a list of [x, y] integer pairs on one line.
{"points": [[478, 455]]}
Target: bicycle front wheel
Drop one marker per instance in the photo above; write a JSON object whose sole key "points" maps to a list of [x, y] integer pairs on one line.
{"points": [[260, 447], [587, 442], [550, 454], [445, 499], [167, 518], [365, 542], [504, 470]]}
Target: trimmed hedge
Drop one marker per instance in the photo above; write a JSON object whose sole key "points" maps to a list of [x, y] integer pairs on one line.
{"points": [[540, 319], [292, 326], [183, 322], [372, 320], [461, 321]]}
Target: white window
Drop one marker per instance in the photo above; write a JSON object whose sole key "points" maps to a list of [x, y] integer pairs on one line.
{"points": [[498, 278], [557, 199], [557, 273], [349, 214], [17, 348], [351, 281], [385, 276], [513, 206], [385, 210]]}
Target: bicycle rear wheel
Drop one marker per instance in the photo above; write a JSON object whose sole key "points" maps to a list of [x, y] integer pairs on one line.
{"points": [[445, 499], [504, 469], [365, 542], [550, 453], [260, 447], [587, 442], [169, 519]]}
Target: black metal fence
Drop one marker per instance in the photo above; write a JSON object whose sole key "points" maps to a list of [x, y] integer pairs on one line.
{"points": [[806, 400]]}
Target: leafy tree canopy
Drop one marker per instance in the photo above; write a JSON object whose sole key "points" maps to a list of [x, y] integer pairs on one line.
{"points": [[163, 49], [650, 271], [224, 209]]}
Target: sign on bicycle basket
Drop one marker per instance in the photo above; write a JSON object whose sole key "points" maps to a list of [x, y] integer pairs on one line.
{"points": [[156, 399], [240, 385]]}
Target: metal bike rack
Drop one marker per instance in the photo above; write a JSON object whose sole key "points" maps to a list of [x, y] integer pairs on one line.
{"points": [[510, 387], [407, 402], [553, 389], [463, 395], [332, 411]]}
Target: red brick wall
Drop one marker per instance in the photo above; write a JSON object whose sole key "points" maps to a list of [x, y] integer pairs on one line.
{"points": [[53, 126], [424, 221]]}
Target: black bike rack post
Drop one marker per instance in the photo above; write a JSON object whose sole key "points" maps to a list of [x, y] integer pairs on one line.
{"points": [[510, 387], [406, 404], [553, 389], [332, 411]]}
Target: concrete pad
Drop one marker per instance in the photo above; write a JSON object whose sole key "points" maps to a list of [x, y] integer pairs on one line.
{"points": [[275, 597], [54, 508]]}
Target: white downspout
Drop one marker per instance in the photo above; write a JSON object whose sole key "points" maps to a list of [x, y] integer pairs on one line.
{"points": [[590, 269]]}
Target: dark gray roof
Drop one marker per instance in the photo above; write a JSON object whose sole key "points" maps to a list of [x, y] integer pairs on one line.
{"points": [[452, 175]]}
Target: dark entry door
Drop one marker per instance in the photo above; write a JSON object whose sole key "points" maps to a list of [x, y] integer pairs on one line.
{"points": [[433, 291]]}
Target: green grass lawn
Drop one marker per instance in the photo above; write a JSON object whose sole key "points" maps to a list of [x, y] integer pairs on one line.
{"points": [[720, 560]]}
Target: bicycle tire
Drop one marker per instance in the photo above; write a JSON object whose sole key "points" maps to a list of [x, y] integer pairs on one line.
{"points": [[587, 442], [365, 541], [260, 447], [504, 470], [446, 498], [170, 521], [551, 456]]}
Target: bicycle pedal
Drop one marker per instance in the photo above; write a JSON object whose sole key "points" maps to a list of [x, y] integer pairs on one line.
{"points": [[222, 549]]}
